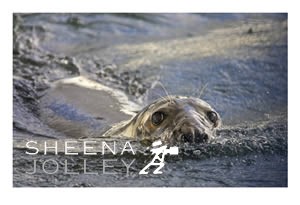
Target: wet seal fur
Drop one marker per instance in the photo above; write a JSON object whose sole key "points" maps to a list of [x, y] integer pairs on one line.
{"points": [[173, 119]]}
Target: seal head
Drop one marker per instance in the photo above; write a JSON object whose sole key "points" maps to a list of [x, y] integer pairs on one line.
{"points": [[172, 119]]}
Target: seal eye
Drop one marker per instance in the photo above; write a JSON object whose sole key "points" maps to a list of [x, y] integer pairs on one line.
{"points": [[157, 118], [212, 116]]}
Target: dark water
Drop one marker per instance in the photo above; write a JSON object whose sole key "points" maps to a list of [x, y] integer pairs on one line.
{"points": [[236, 62]]}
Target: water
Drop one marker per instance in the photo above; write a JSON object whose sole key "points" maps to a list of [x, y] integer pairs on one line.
{"points": [[236, 62]]}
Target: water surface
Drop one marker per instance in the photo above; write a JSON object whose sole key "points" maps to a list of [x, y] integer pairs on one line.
{"points": [[236, 62]]}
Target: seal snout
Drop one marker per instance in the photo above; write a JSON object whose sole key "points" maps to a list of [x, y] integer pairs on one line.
{"points": [[198, 138], [192, 134]]}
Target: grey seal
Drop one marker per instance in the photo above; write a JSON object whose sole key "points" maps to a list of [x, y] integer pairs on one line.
{"points": [[172, 119]]}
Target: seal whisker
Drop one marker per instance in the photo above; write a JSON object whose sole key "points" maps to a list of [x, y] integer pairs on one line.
{"points": [[202, 90], [165, 90]]}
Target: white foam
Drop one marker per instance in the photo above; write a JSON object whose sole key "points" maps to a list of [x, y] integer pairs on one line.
{"points": [[127, 106]]}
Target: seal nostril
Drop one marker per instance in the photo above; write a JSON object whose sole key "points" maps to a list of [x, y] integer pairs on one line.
{"points": [[205, 137], [201, 137], [187, 138]]}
